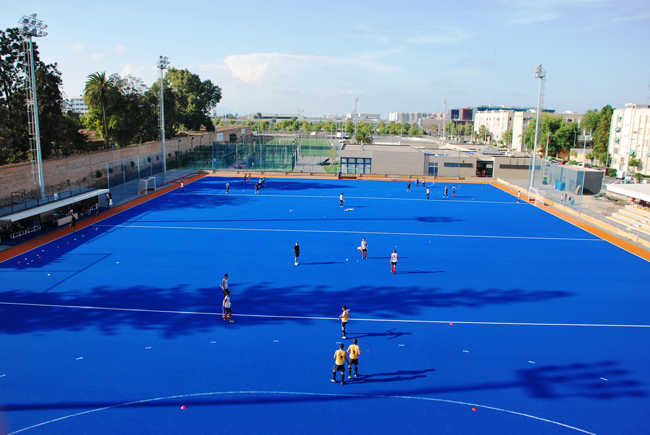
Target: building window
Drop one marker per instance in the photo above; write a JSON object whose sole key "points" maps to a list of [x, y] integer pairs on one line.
{"points": [[362, 165], [433, 169]]}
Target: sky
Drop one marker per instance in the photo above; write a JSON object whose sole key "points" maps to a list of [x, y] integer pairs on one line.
{"points": [[318, 57]]}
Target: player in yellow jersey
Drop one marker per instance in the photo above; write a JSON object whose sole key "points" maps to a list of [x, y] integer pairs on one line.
{"points": [[340, 357], [344, 319], [354, 352]]}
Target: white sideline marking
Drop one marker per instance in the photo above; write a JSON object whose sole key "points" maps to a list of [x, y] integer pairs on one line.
{"points": [[354, 232], [266, 316], [374, 396]]}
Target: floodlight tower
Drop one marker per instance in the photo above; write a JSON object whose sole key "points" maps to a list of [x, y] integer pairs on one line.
{"points": [[163, 64], [540, 74], [31, 27]]}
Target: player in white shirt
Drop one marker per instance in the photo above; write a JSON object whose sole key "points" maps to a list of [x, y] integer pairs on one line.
{"points": [[341, 200], [393, 261], [364, 249]]}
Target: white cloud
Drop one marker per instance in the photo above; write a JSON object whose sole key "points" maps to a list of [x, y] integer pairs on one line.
{"points": [[78, 46], [148, 73], [452, 35], [263, 68], [97, 56], [120, 49]]}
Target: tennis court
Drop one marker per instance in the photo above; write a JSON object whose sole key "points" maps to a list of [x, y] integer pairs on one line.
{"points": [[501, 317]]}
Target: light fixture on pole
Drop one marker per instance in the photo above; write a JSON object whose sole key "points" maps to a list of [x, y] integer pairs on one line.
{"points": [[540, 74], [163, 64], [30, 27]]}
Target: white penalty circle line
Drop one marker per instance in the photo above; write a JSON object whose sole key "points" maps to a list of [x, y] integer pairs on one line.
{"points": [[165, 227], [268, 316], [369, 396]]}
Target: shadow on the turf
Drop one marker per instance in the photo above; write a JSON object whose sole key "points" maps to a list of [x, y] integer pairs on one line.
{"points": [[388, 334], [418, 271], [402, 375], [545, 382], [318, 264], [202, 307]]}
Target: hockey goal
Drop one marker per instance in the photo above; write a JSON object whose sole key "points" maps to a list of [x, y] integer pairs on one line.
{"points": [[540, 197], [147, 185]]}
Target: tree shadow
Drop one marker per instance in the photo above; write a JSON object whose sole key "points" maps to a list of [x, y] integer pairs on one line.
{"points": [[182, 309], [390, 334], [588, 385]]}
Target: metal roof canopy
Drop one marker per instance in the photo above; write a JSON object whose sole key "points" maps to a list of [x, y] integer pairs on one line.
{"points": [[638, 191], [15, 217]]}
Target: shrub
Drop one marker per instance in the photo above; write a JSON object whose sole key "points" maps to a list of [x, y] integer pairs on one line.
{"points": [[98, 174]]}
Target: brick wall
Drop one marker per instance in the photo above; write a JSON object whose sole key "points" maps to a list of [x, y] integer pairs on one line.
{"points": [[76, 168]]}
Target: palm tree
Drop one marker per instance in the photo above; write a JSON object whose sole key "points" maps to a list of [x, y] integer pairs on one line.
{"points": [[99, 91], [363, 137]]}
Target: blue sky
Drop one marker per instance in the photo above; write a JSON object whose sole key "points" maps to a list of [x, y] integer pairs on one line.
{"points": [[318, 57]]}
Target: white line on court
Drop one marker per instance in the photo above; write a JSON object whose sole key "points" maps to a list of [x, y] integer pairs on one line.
{"points": [[264, 316], [355, 197], [163, 227], [369, 396]]}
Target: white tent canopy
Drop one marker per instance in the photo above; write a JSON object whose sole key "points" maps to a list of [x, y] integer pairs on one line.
{"points": [[638, 191]]}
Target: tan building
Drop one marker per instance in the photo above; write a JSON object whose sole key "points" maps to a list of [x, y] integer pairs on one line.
{"points": [[629, 139]]}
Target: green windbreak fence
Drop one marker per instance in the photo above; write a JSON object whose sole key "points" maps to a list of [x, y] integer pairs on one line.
{"points": [[259, 154]]}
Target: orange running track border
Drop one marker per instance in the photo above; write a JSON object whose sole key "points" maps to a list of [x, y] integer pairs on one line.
{"points": [[62, 232], [623, 244]]}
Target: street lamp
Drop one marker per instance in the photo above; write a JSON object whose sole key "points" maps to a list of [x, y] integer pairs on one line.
{"points": [[31, 27], [540, 74], [163, 64]]}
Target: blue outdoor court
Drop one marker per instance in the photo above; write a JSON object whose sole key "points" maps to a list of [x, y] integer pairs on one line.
{"points": [[500, 319]]}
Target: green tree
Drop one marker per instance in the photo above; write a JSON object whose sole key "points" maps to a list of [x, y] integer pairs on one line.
{"points": [[381, 127], [590, 120], [194, 98], [601, 134], [100, 92], [58, 129], [349, 127], [363, 137], [415, 130], [507, 137]]}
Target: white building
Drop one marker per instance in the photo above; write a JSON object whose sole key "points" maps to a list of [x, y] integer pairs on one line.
{"points": [[77, 105], [629, 137], [409, 116], [498, 122]]}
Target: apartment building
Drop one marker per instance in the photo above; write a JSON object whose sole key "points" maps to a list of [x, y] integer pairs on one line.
{"points": [[629, 138]]}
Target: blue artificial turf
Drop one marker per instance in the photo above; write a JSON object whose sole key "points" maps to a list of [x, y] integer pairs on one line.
{"points": [[149, 279]]}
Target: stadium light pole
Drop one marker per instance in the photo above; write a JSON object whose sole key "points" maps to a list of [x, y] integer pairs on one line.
{"points": [[31, 27], [163, 64], [539, 74]]}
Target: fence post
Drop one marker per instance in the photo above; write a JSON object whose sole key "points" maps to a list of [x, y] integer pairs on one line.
{"points": [[108, 175]]}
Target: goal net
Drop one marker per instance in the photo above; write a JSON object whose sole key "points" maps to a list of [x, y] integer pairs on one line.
{"points": [[540, 196], [146, 185], [349, 172]]}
